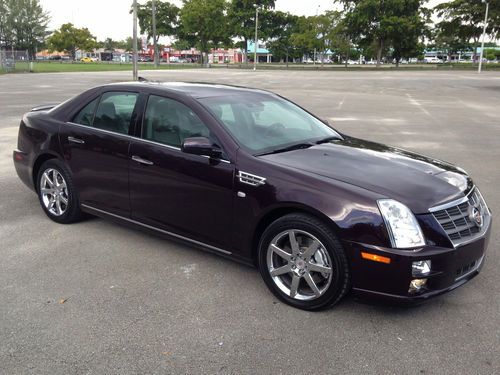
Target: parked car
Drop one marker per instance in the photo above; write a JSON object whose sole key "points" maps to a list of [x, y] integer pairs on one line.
{"points": [[252, 176], [432, 60], [86, 60]]}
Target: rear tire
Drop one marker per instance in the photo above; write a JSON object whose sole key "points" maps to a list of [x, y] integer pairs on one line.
{"points": [[57, 194], [303, 263]]}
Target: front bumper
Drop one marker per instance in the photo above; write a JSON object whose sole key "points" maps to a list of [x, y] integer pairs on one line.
{"points": [[450, 269]]}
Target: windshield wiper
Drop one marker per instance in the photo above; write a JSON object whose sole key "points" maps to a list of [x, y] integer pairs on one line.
{"points": [[296, 146], [328, 139]]}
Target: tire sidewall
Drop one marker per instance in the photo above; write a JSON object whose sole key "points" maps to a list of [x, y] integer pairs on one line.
{"points": [[340, 278]]}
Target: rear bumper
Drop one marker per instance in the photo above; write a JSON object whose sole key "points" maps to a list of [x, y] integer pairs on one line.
{"points": [[451, 268], [23, 167]]}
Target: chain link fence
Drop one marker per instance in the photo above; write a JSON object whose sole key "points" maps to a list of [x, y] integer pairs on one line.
{"points": [[14, 61]]}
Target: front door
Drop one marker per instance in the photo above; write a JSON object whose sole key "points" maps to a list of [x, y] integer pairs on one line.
{"points": [[95, 145], [189, 195]]}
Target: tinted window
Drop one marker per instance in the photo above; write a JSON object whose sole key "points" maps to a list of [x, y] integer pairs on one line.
{"points": [[84, 117], [114, 111], [170, 122], [263, 123]]}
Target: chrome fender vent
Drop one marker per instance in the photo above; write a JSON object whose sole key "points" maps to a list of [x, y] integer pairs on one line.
{"points": [[251, 179]]}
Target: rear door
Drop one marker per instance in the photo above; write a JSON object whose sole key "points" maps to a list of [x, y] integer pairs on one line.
{"points": [[95, 145], [189, 195]]}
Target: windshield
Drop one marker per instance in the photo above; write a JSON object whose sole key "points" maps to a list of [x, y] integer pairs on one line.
{"points": [[263, 123]]}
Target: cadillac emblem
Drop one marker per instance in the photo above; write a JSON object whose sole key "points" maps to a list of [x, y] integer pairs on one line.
{"points": [[476, 216]]}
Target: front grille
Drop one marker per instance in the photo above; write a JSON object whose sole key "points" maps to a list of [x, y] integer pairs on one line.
{"points": [[458, 221]]}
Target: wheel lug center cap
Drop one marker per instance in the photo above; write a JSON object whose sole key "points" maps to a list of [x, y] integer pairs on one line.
{"points": [[300, 263]]}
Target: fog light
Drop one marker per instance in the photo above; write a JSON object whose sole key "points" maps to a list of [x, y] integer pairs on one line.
{"points": [[416, 285], [421, 268]]}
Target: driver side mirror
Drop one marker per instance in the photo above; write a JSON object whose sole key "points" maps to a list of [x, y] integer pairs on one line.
{"points": [[201, 146]]}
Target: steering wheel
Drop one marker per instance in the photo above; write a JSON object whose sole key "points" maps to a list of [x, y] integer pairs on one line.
{"points": [[274, 129]]}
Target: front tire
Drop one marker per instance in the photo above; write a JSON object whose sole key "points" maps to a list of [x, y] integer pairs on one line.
{"points": [[57, 193], [303, 263]]}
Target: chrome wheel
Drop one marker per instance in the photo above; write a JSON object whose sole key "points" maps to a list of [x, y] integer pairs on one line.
{"points": [[299, 264], [54, 192]]}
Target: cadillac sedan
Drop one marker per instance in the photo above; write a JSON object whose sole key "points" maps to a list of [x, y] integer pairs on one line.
{"points": [[254, 177]]}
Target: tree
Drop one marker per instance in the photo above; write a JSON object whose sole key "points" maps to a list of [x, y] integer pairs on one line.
{"points": [[71, 39], [167, 18], [241, 14], [203, 23], [463, 20], [396, 23], [23, 25], [283, 27]]}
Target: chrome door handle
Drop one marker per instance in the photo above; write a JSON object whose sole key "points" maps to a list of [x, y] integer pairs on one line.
{"points": [[141, 160], [76, 140]]}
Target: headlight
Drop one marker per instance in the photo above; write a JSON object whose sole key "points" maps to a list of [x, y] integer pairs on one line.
{"points": [[403, 228]]}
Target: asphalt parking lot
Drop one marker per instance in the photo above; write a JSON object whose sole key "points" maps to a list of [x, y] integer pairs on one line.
{"points": [[99, 298]]}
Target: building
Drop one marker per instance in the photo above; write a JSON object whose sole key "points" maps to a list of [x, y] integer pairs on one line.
{"points": [[263, 54]]}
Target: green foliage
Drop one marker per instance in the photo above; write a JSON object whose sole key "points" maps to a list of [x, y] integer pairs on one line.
{"points": [[284, 25], [23, 25], [167, 18], [71, 39], [492, 54], [395, 23], [203, 23], [462, 22]]}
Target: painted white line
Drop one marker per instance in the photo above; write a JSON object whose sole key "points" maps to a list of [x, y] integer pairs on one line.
{"points": [[417, 104]]}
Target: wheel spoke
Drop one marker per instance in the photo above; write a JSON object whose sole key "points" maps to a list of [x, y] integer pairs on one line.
{"points": [[282, 253], [313, 247], [295, 286], [281, 270], [47, 179], [319, 268], [47, 191], [63, 200], [57, 206], [294, 245], [312, 284], [54, 178]]}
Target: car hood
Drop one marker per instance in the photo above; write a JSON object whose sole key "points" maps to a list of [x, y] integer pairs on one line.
{"points": [[415, 180]]}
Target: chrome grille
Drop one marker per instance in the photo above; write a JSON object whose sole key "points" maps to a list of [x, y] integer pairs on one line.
{"points": [[457, 218]]}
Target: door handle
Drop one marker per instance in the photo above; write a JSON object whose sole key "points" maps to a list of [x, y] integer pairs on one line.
{"points": [[76, 140], [141, 160]]}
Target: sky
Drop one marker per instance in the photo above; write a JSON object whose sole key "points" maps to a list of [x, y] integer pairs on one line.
{"points": [[111, 18]]}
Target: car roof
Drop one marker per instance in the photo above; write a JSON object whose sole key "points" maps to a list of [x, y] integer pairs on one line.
{"points": [[193, 89]]}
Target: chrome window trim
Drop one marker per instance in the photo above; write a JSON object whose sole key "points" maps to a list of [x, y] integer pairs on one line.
{"points": [[142, 140], [158, 229]]}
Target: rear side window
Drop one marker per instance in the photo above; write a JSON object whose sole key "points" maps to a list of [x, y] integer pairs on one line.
{"points": [[84, 117], [114, 111], [169, 122]]}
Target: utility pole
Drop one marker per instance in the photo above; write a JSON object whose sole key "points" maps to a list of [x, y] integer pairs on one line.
{"points": [[256, 38], [134, 41], [155, 46], [484, 33]]}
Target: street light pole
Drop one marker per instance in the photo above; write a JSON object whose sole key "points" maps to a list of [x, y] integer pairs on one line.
{"points": [[155, 46], [134, 42], [256, 38], [484, 33], [316, 31]]}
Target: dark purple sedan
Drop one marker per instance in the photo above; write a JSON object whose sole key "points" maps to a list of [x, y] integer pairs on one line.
{"points": [[252, 176]]}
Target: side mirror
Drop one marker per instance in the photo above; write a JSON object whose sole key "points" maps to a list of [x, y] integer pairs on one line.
{"points": [[201, 146]]}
